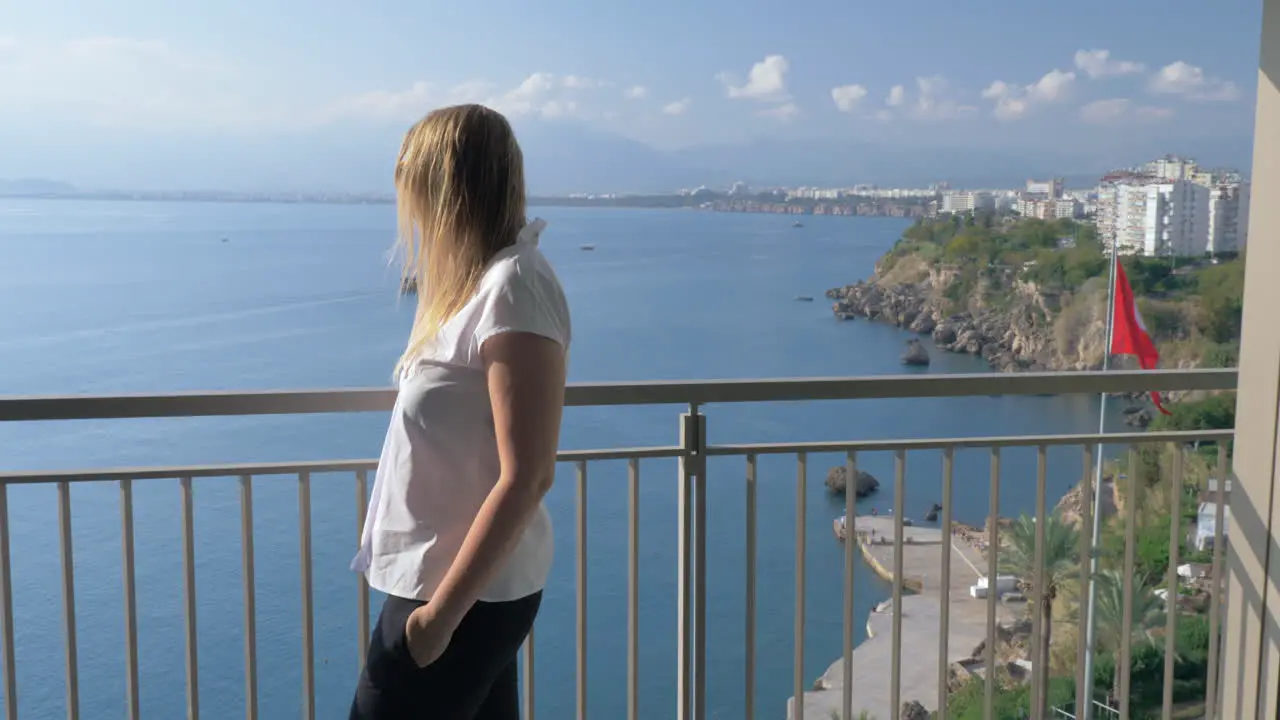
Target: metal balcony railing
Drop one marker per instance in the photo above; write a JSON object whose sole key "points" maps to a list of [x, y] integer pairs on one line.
{"points": [[691, 455]]}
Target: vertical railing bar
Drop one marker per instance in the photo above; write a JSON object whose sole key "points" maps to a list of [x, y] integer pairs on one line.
{"points": [[850, 543], [749, 639], [684, 674], [10, 681], [700, 570], [1171, 584], [68, 598], [993, 544], [633, 589], [944, 588], [189, 596], [130, 601], [1126, 622], [528, 677], [899, 512], [581, 525], [250, 600], [362, 582], [308, 619], [797, 677], [1039, 670], [1086, 552], [1215, 574]]}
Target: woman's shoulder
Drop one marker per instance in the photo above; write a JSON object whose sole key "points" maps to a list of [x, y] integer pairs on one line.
{"points": [[524, 266]]}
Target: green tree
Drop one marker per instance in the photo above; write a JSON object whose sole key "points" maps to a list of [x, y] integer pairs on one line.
{"points": [[1221, 290], [1216, 412], [1148, 613], [1061, 566], [1222, 355]]}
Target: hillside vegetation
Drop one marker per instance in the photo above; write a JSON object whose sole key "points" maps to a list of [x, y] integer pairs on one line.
{"points": [[1036, 291]]}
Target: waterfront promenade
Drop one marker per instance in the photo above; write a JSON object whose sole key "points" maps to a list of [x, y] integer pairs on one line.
{"points": [[873, 659]]}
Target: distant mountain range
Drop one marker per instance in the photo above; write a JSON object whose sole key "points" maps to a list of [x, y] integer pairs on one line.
{"points": [[35, 186], [564, 158]]}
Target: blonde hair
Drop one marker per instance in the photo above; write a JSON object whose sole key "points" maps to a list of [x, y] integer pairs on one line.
{"points": [[460, 199]]}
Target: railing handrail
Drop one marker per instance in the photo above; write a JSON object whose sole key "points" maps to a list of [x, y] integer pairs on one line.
{"points": [[225, 470], [673, 392]]}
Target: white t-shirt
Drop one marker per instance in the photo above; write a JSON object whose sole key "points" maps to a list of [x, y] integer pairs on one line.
{"points": [[440, 457]]}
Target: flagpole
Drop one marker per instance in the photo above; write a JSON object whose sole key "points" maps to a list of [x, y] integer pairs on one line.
{"points": [[1096, 531]]}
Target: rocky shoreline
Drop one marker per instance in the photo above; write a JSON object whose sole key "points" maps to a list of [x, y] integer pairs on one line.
{"points": [[1011, 339]]}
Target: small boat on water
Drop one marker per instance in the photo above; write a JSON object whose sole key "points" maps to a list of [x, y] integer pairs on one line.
{"points": [[804, 298], [588, 246], [797, 224]]}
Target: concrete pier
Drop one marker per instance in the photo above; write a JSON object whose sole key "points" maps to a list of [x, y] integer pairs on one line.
{"points": [[921, 611]]}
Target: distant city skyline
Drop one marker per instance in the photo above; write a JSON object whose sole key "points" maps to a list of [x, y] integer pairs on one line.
{"points": [[13, 187]]}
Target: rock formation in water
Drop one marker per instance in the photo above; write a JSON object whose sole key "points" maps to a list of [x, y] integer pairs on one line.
{"points": [[913, 710], [836, 482], [915, 354]]}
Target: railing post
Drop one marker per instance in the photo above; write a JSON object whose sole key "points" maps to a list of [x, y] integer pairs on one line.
{"points": [[8, 673], [692, 608]]}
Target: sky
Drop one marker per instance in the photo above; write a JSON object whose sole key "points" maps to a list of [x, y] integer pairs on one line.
{"points": [[276, 95]]}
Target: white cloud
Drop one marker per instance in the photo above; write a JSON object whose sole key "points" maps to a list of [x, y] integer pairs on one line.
{"points": [[933, 101], [847, 97], [1105, 111], [1013, 102], [541, 94], [147, 84], [636, 92], [1116, 111], [679, 107], [1148, 112], [767, 81], [578, 82], [1054, 86], [1098, 63], [785, 112], [1190, 82]]}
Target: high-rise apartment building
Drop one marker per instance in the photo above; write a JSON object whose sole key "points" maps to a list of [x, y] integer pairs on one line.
{"points": [[1048, 208], [1153, 216], [1228, 217], [966, 201], [1172, 167]]}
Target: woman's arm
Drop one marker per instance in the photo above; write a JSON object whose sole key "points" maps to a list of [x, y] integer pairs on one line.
{"points": [[526, 375]]}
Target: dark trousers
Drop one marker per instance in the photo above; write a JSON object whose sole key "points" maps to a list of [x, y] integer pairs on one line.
{"points": [[475, 678]]}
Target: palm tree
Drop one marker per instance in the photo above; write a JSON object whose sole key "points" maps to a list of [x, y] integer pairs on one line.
{"points": [[1148, 613], [1061, 566]]}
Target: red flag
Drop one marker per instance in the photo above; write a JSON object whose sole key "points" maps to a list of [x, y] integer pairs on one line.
{"points": [[1128, 335]]}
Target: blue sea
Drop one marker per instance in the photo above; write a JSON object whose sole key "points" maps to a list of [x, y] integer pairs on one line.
{"points": [[134, 297]]}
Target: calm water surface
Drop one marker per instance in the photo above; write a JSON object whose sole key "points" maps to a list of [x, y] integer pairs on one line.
{"points": [[99, 297]]}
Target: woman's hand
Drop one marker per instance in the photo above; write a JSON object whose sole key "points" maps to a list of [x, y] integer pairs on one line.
{"points": [[427, 635]]}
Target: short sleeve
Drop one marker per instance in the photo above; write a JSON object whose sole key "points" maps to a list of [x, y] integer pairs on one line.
{"points": [[523, 298]]}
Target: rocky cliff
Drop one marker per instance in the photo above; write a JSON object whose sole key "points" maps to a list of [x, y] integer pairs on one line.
{"points": [[1011, 324]]}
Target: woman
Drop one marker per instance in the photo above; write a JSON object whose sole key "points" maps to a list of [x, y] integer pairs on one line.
{"points": [[456, 534]]}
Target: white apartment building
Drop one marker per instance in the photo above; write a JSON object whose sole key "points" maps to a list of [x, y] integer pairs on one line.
{"points": [[966, 201], [1048, 209], [1154, 216], [1172, 167], [1067, 208], [1228, 217]]}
